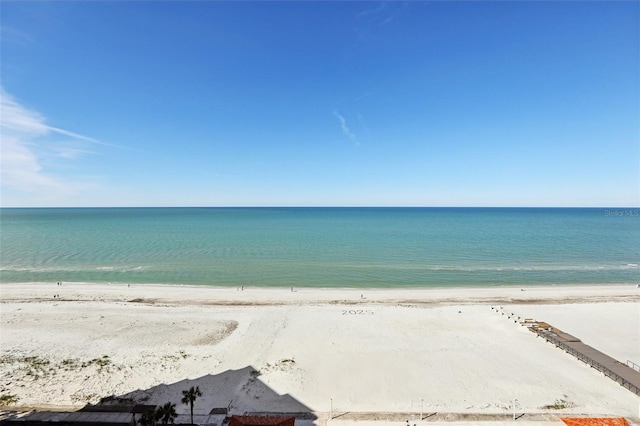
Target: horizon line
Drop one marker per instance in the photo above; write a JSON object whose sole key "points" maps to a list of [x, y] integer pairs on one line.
{"points": [[320, 207]]}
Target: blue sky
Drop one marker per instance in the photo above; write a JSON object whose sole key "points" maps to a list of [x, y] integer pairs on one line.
{"points": [[296, 103]]}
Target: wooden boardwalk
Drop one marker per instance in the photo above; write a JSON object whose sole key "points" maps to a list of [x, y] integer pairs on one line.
{"points": [[610, 367]]}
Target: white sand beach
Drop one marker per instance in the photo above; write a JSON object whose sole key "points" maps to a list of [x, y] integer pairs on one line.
{"points": [[318, 350]]}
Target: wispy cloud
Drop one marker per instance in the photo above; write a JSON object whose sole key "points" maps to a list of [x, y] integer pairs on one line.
{"points": [[19, 119], [27, 142], [369, 24], [21, 170], [14, 36], [373, 11], [345, 128], [363, 124]]}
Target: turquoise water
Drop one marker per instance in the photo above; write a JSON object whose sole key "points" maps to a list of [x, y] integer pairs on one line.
{"points": [[321, 247]]}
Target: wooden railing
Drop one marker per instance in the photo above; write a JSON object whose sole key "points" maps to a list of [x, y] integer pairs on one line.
{"points": [[550, 337]]}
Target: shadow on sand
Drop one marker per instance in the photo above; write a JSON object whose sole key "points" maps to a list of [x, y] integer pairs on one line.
{"points": [[233, 392]]}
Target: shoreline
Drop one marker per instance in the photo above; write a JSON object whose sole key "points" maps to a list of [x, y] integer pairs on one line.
{"points": [[323, 288], [366, 349], [181, 294]]}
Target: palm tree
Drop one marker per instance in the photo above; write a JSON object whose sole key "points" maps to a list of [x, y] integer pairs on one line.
{"points": [[189, 397], [148, 418], [167, 413]]}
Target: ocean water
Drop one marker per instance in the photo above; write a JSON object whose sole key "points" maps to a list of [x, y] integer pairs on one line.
{"points": [[321, 247]]}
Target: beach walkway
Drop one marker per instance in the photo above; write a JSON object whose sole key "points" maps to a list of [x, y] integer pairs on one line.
{"points": [[610, 367]]}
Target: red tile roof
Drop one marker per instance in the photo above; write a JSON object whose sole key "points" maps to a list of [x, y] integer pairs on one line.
{"points": [[595, 421]]}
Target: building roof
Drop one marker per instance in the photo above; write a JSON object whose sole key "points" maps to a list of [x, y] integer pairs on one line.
{"points": [[595, 421], [262, 421]]}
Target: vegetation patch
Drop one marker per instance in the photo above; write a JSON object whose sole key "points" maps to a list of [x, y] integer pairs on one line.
{"points": [[8, 399], [7, 359], [180, 356], [560, 404], [285, 365], [116, 400], [70, 364], [98, 362], [84, 397], [37, 367]]}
